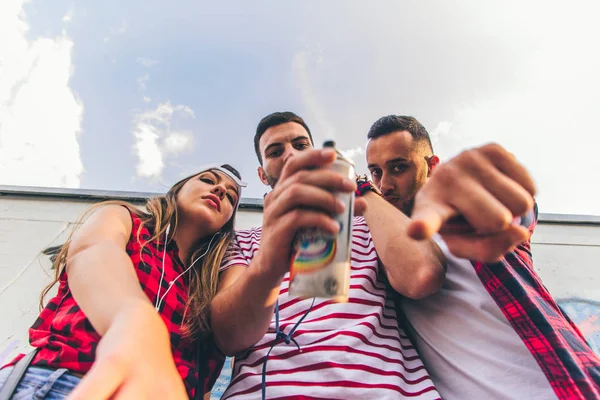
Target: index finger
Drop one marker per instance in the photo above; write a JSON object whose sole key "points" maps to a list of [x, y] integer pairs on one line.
{"points": [[308, 159], [427, 217]]}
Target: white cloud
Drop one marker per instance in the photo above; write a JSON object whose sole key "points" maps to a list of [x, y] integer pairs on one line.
{"points": [[441, 130], [121, 29], [147, 99], [551, 123], [146, 62], [68, 16], [155, 140], [352, 153], [115, 31], [302, 62], [142, 80], [178, 142], [150, 158], [528, 80], [40, 116]]}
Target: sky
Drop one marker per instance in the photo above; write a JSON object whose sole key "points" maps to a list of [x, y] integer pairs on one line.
{"points": [[136, 95]]}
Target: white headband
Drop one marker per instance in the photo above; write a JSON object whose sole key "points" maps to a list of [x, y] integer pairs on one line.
{"points": [[216, 167]]}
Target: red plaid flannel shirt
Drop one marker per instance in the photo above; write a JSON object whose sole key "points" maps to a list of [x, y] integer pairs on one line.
{"points": [[560, 349], [66, 338]]}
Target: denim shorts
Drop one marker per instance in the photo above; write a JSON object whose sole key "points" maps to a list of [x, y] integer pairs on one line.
{"points": [[42, 383]]}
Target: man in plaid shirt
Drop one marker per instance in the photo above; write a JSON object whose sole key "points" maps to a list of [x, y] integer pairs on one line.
{"points": [[493, 330]]}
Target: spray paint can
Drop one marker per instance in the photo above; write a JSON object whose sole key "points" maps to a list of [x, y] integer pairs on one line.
{"points": [[320, 266]]}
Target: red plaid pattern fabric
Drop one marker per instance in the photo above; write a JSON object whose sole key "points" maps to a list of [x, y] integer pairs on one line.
{"points": [[556, 343], [66, 338]]}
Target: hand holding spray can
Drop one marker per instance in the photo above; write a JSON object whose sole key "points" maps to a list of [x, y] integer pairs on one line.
{"points": [[321, 263]]}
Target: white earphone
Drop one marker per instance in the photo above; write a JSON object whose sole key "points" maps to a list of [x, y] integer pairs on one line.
{"points": [[159, 300]]}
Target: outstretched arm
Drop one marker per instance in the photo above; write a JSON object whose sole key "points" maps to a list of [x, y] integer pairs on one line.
{"points": [[134, 355], [414, 268]]}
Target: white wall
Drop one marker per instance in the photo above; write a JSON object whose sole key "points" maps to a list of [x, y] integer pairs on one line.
{"points": [[565, 257]]}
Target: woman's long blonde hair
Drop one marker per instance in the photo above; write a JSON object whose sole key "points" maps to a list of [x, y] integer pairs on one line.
{"points": [[159, 212]]}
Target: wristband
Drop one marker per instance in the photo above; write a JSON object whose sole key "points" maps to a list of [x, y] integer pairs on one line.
{"points": [[364, 184]]}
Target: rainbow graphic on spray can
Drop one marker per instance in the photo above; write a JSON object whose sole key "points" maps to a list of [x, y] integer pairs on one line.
{"points": [[313, 251], [320, 266]]}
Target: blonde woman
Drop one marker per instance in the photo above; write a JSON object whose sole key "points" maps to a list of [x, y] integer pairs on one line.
{"points": [[131, 311]]}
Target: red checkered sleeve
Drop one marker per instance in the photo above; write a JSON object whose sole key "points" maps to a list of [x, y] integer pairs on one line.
{"points": [[556, 343]]}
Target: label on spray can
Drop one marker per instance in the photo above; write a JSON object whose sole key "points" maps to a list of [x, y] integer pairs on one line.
{"points": [[321, 263]]}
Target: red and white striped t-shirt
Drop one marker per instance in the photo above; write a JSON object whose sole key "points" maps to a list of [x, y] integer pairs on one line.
{"points": [[352, 350]]}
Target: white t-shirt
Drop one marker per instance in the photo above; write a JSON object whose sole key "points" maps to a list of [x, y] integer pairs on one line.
{"points": [[352, 350], [468, 345]]}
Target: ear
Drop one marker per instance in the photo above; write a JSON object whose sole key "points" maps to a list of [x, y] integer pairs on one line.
{"points": [[432, 162], [262, 176]]}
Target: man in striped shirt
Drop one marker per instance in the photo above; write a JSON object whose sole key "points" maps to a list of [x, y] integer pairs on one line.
{"points": [[493, 330], [340, 350]]}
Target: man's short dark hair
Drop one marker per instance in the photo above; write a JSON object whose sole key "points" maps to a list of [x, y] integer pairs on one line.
{"points": [[394, 123], [274, 119]]}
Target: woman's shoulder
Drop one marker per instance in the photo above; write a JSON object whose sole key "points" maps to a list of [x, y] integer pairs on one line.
{"points": [[117, 213], [119, 218]]}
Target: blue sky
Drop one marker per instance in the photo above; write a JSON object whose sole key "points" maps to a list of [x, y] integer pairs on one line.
{"points": [[135, 95]]}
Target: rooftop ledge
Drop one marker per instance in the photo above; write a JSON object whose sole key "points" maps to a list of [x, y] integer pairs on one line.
{"points": [[245, 203]]}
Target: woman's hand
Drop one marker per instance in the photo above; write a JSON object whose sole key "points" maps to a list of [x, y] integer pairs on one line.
{"points": [[133, 360]]}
